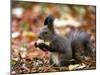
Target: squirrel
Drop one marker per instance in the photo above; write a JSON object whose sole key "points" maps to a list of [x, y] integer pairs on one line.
{"points": [[62, 50]]}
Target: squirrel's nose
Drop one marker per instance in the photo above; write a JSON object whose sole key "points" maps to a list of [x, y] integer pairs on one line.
{"points": [[39, 35]]}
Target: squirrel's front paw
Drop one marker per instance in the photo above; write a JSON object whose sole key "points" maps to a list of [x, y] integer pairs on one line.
{"points": [[42, 46]]}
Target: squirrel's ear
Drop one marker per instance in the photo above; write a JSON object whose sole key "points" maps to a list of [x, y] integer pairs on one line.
{"points": [[49, 22]]}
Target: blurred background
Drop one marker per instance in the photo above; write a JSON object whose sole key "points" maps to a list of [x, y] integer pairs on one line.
{"points": [[28, 18]]}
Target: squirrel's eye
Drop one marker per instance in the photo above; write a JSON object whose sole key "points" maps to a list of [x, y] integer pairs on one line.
{"points": [[46, 32]]}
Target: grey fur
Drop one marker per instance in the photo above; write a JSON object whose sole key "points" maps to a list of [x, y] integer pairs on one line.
{"points": [[63, 50], [58, 44]]}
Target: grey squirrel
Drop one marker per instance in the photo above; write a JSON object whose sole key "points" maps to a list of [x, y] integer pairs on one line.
{"points": [[62, 50]]}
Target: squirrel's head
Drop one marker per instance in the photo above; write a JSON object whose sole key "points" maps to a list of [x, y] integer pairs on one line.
{"points": [[47, 31]]}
